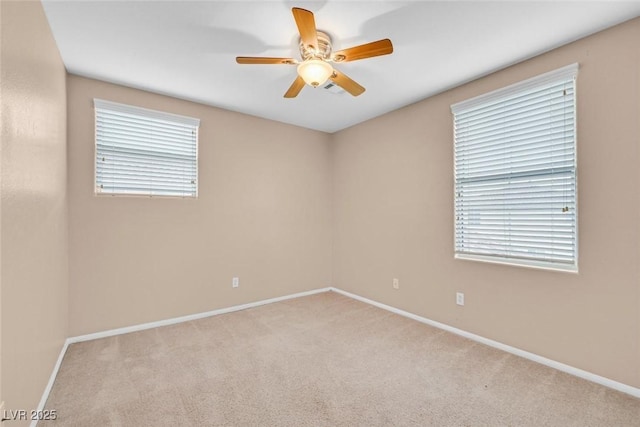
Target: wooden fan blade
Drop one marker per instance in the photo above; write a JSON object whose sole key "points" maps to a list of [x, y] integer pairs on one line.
{"points": [[346, 83], [264, 60], [295, 88], [306, 26], [368, 50]]}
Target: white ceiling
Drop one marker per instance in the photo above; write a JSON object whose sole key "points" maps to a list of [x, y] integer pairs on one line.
{"points": [[188, 49]]}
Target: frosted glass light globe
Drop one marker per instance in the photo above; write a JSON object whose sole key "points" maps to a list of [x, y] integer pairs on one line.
{"points": [[315, 71]]}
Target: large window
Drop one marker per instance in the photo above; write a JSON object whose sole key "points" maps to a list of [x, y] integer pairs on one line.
{"points": [[145, 152], [515, 173]]}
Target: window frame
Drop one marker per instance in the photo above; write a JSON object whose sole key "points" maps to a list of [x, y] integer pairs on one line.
{"points": [[145, 113], [569, 71]]}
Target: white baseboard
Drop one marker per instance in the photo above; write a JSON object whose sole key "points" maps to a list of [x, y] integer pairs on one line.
{"points": [[150, 325], [633, 391], [52, 378]]}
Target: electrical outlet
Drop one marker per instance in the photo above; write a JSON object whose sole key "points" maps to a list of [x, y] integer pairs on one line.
{"points": [[396, 284], [459, 298], [235, 282]]}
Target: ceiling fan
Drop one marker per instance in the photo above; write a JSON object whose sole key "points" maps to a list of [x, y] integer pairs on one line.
{"points": [[315, 50]]}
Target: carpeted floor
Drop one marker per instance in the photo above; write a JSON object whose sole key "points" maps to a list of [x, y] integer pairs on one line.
{"points": [[323, 360]]}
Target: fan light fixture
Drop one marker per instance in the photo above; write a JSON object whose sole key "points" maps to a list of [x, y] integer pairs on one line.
{"points": [[315, 71], [317, 57]]}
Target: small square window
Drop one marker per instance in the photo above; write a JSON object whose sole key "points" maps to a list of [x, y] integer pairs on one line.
{"points": [[145, 152]]}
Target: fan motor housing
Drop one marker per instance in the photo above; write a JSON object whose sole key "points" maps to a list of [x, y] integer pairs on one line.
{"points": [[324, 48]]}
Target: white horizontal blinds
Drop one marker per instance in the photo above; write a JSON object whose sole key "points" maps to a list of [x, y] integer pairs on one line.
{"points": [[515, 172], [145, 152]]}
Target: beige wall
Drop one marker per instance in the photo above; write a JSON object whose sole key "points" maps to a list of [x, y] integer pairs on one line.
{"points": [[393, 217], [33, 267], [263, 214]]}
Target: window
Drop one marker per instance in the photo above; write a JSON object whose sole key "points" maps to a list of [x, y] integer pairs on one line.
{"points": [[145, 152], [515, 173]]}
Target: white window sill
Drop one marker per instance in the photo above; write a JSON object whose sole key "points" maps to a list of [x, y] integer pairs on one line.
{"points": [[541, 265]]}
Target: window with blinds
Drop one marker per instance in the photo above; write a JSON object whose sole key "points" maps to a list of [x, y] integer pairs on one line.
{"points": [[145, 152], [515, 173]]}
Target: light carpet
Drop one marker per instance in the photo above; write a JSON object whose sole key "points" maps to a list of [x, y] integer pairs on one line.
{"points": [[322, 360]]}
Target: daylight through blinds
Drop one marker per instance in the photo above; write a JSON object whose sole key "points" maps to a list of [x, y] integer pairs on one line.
{"points": [[145, 152], [515, 172]]}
